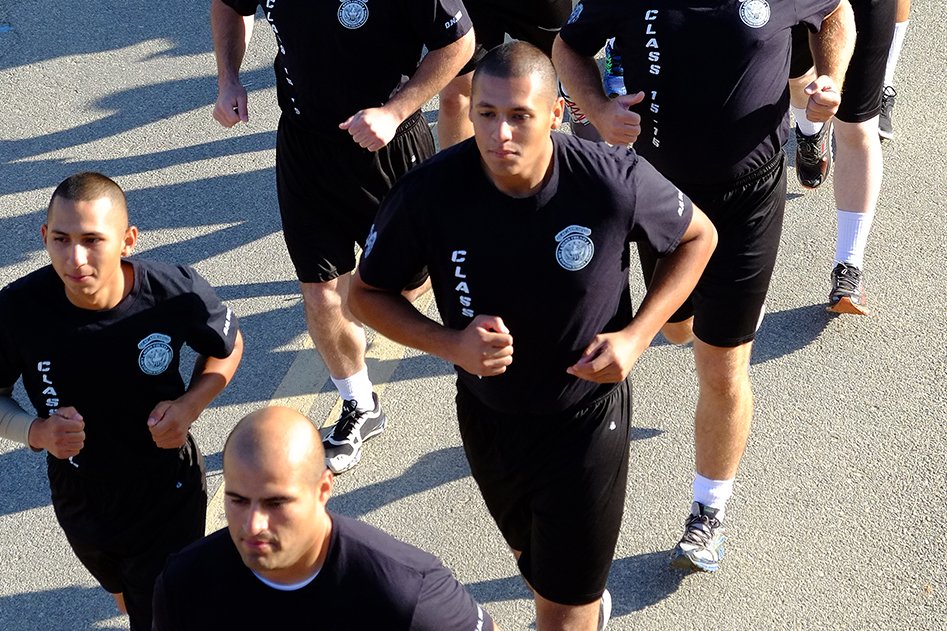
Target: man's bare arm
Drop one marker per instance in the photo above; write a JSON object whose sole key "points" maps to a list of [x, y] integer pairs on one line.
{"points": [[580, 76], [231, 34], [374, 128], [484, 348], [170, 421], [832, 49]]}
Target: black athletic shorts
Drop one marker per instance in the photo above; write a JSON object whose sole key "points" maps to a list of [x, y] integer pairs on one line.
{"points": [[555, 485], [123, 530], [727, 304], [534, 21], [864, 80], [330, 188]]}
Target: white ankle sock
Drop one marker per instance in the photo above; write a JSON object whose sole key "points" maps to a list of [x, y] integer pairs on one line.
{"points": [[805, 126], [853, 229], [900, 30], [713, 493], [357, 387]]}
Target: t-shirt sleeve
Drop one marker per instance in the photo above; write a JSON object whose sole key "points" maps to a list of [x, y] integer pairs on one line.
{"points": [[214, 329], [440, 22], [662, 212], [591, 23], [393, 255], [243, 7], [813, 12], [445, 604]]}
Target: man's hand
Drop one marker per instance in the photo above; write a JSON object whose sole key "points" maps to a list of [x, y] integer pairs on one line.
{"points": [[231, 106], [485, 347], [169, 423], [616, 123], [373, 128], [62, 434], [609, 358], [824, 99]]}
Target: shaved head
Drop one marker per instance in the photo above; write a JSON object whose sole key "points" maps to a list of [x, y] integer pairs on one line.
{"points": [[517, 59], [276, 436], [90, 186]]}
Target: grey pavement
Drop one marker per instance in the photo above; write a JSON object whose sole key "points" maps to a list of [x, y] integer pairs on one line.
{"points": [[838, 521]]}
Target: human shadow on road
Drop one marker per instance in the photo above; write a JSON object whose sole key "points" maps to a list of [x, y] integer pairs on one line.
{"points": [[785, 332], [25, 486], [635, 583], [61, 609]]}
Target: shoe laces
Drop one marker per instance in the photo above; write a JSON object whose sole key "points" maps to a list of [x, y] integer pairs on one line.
{"points": [[699, 529], [810, 147], [350, 416], [847, 278]]}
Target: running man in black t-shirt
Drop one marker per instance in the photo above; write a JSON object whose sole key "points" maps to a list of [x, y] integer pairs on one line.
{"points": [[712, 116], [349, 128], [526, 236], [96, 339], [289, 563]]}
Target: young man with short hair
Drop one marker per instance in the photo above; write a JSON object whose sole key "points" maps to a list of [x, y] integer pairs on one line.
{"points": [[526, 236], [96, 338]]}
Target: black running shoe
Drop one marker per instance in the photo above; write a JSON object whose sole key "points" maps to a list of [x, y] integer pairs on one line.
{"points": [[344, 445], [885, 126], [814, 156], [848, 291], [701, 547]]}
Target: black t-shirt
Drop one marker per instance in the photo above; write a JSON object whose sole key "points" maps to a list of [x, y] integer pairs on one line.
{"points": [[336, 58], [714, 76], [553, 266], [113, 366], [369, 581]]}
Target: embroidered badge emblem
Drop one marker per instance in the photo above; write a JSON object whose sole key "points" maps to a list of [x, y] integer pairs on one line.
{"points": [[353, 13], [754, 13], [575, 248], [156, 354]]}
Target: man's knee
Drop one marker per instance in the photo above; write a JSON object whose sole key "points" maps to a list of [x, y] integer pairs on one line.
{"points": [[723, 370], [679, 332], [324, 297], [454, 99], [552, 616], [861, 134]]}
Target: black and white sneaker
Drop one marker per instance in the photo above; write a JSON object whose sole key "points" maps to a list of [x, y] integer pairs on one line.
{"points": [[814, 156], [848, 291], [701, 547], [885, 126], [604, 610], [344, 445]]}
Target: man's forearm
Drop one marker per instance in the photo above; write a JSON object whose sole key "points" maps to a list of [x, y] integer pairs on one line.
{"points": [[15, 422], [433, 73], [580, 77], [231, 34], [392, 315], [211, 375], [832, 46]]}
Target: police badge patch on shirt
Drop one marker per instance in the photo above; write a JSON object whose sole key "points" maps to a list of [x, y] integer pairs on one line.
{"points": [[754, 13], [353, 13], [575, 248], [156, 354]]}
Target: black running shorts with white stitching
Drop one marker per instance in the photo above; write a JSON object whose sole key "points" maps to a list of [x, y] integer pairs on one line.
{"points": [[864, 79], [728, 300], [555, 485], [124, 530], [329, 190]]}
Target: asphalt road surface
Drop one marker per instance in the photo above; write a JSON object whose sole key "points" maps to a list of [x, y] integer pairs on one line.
{"points": [[838, 521]]}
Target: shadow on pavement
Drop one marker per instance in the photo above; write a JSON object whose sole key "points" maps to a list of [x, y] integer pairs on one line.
{"points": [[785, 332], [29, 488], [62, 609]]}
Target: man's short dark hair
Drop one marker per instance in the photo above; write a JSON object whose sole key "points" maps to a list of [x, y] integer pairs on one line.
{"points": [[519, 59], [88, 186]]}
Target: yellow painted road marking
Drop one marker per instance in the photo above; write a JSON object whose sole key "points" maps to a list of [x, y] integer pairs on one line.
{"points": [[307, 374]]}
